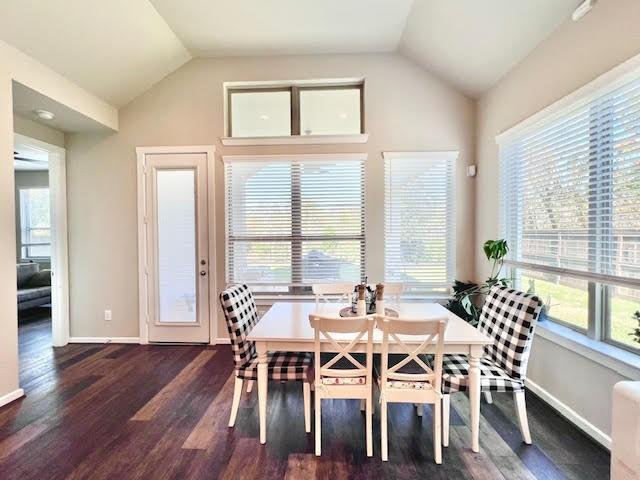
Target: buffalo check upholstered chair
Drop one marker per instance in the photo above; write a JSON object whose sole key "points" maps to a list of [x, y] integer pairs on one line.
{"points": [[241, 315], [509, 318]]}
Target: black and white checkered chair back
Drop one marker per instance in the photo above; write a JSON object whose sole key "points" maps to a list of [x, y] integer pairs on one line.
{"points": [[242, 315], [509, 318]]}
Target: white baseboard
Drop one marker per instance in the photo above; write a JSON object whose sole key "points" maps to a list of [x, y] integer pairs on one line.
{"points": [[104, 340], [11, 396], [571, 415], [222, 341]]}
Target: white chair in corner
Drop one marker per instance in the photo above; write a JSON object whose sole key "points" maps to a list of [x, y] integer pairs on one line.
{"points": [[332, 292], [343, 383], [420, 385]]}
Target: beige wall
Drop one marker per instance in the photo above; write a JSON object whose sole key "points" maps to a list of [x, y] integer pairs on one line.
{"points": [[27, 179], [572, 56], [14, 65], [27, 127], [406, 109], [8, 293]]}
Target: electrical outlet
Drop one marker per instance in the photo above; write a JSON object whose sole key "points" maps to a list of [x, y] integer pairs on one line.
{"points": [[107, 315]]}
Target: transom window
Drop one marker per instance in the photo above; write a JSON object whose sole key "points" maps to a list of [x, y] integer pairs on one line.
{"points": [[35, 223], [295, 109], [570, 190], [293, 221]]}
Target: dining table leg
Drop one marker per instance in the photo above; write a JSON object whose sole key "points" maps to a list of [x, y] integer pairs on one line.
{"points": [[263, 384], [474, 395]]}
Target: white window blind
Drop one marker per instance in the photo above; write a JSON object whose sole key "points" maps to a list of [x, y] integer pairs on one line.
{"points": [[35, 223], [295, 220], [420, 220], [570, 186]]}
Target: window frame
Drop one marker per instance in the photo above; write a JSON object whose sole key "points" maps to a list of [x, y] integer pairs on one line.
{"points": [[296, 239], [294, 89], [600, 285], [24, 246]]}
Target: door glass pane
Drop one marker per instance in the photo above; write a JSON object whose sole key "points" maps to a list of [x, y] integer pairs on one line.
{"points": [[260, 114], [176, 223], [624, 303], [330, 112], [565, 299]]}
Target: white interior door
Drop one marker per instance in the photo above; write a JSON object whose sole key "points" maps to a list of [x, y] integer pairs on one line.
{"points": [[177, 247]]}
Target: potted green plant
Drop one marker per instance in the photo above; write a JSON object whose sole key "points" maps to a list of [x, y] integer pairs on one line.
{"points": [[466, 294], [636, 332]]}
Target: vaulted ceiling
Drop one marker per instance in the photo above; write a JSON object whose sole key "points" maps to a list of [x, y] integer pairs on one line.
{"points": [[117, 49]]}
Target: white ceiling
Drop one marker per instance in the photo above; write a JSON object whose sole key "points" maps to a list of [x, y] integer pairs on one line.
{"points": [[277, 27], [27, 100], [471, 43], [117, 49]]}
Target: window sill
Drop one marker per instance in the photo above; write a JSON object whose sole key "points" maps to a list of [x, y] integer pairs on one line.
{"points": [[294, 140], [617, 359]]}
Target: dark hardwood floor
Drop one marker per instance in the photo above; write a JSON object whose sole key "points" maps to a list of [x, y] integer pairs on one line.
{"points": [[161, 412]]}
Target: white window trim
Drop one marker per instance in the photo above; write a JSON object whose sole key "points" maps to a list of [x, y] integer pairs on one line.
{"points": [[609, 80], [288, 158], [619, 360], [295, 140], [24, 245]]}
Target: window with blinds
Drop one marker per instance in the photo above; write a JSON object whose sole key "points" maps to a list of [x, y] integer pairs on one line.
{"points": [[294, 220], [570, 208], [419, 212], [571, 187]]}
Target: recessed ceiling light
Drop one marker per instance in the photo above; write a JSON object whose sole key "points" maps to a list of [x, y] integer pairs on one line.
{"points": [[44, 114], [264, 117]]}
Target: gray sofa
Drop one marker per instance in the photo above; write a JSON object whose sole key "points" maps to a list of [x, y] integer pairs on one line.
{"points": [[34, 286]]}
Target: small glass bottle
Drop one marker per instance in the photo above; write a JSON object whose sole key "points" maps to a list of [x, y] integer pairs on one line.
{"points": [[362, 303], [380, 299]]}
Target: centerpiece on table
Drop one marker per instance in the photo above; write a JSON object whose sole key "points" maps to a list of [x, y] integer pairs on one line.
{"points": [[369, 297]]}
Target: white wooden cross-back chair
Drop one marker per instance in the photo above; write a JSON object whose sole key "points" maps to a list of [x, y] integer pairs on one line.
{"points": [[343, 383], [332, 292], [423, 383]]}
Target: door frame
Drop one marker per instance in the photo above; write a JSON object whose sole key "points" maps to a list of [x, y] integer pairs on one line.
{"points": [[143, 272], [59, 239]]}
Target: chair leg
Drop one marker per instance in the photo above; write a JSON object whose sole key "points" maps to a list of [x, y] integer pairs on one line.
{"points": [[488, 397], [306, 391], [249, 386], [363, 404], [318, 425], [237, 393], [419, 408], [369, 426], [384, 443], [521, 406], [446, 405], [437, 432]]}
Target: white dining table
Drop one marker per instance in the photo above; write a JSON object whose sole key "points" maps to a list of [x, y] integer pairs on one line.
{"points": [[285, 327]]}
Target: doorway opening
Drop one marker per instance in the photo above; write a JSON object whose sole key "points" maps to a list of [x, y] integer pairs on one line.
{"points": [[41, 247]]}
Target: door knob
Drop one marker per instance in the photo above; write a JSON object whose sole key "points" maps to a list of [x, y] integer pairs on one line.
{"points": [[202, 273]]}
